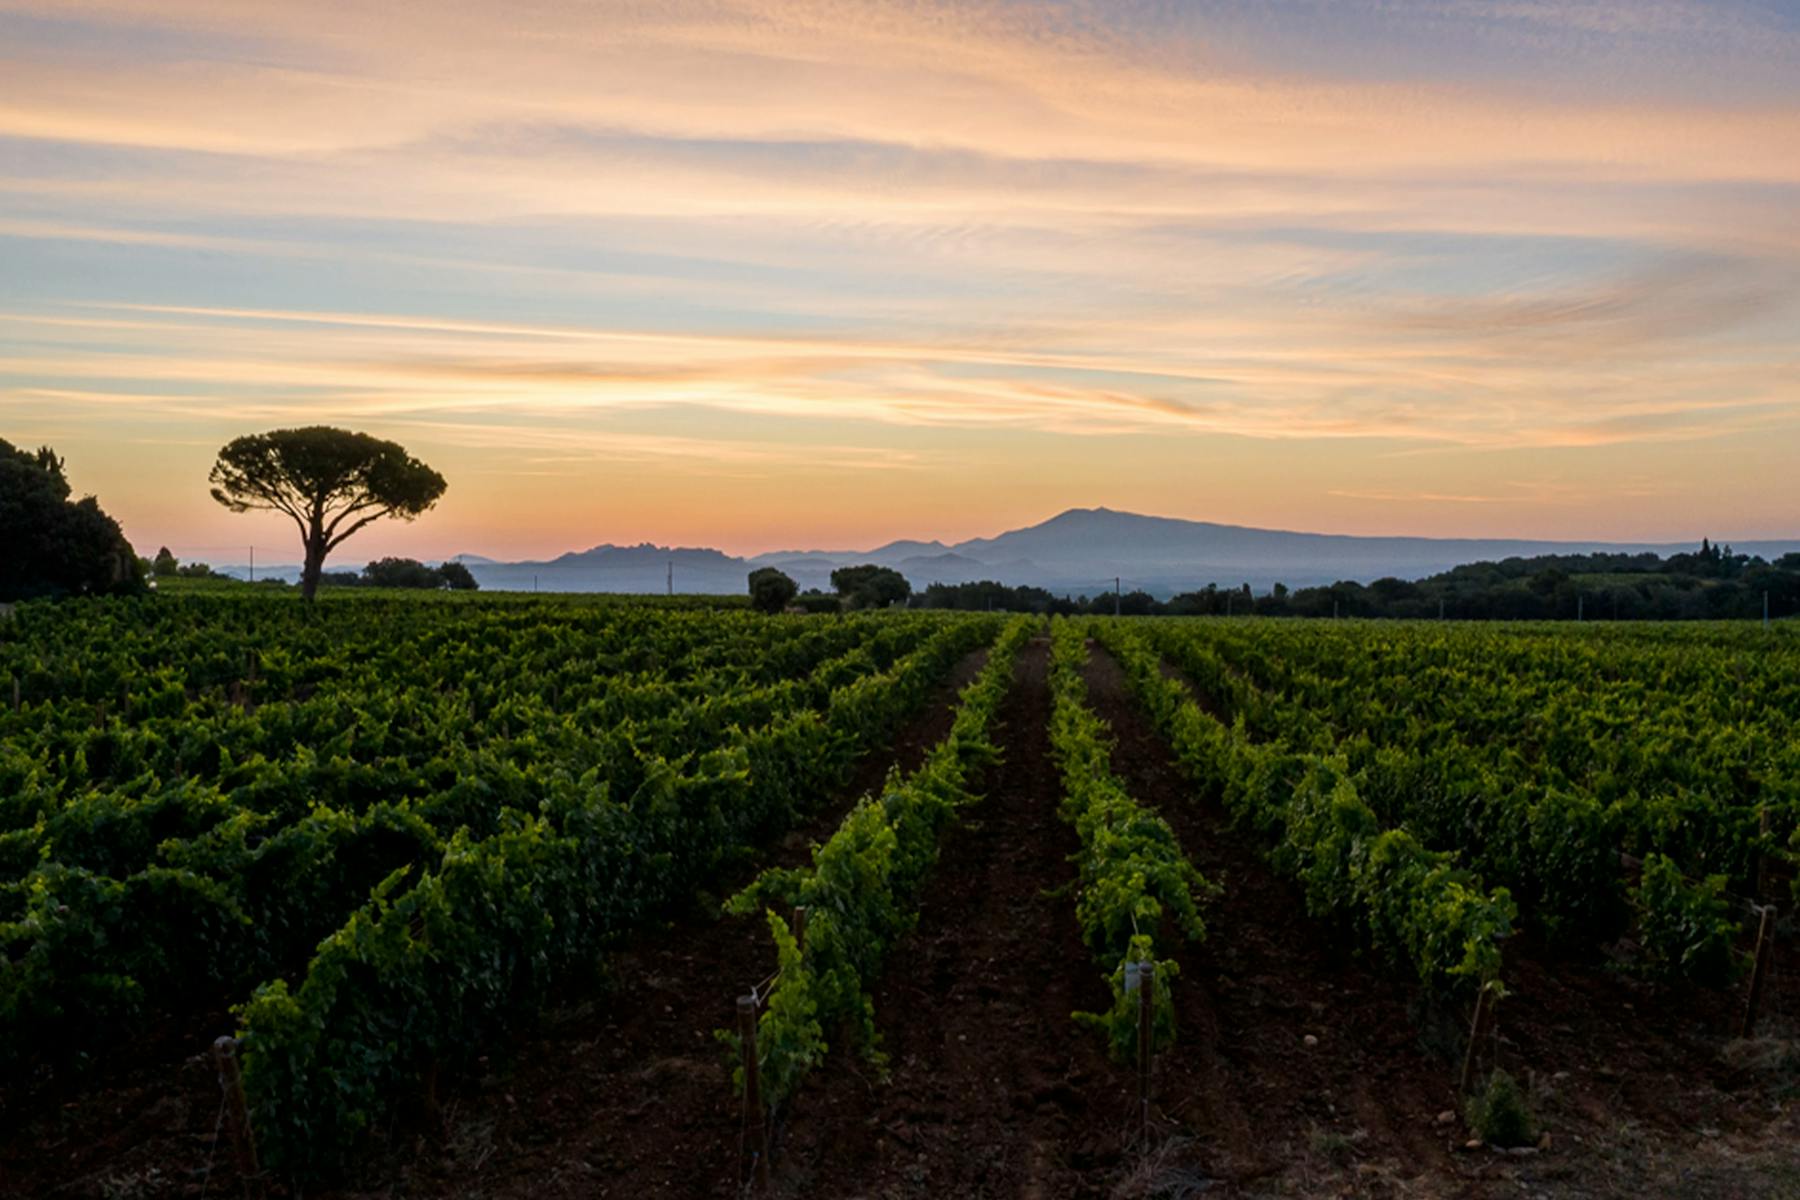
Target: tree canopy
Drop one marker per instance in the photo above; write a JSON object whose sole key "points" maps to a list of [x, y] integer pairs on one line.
{"points": [[770, 590], [55, 546], [401, 573], [457, 577], [330, 482], [870, 586]]}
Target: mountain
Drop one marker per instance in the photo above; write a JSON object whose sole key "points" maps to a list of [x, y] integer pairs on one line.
{"points": [[1080, 551], [947, 567], [607, 568], [1082, 546]]}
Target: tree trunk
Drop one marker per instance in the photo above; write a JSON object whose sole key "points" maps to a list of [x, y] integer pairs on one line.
{"points": [[309, 575]]}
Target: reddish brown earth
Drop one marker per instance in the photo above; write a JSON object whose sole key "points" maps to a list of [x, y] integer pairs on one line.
{"points": [[991, 1090], [988, 1091], [1244, 1100], [147, 1126], [1643, 1091]]}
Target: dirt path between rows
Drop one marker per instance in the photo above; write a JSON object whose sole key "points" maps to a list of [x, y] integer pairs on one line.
{"points": [[992, 1091], [1643, 1091], [1247, 1102], [629, 1094]]}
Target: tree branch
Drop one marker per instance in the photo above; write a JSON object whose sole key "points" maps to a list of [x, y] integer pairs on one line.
{"points": [[334, 542], [360, 506]]}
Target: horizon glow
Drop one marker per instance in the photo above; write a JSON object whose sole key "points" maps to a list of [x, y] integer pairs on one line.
{"points": [[759, 275]]}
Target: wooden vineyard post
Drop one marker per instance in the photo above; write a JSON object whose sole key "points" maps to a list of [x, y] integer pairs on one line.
{"points": [[1476, 1028], [1759, 970], [1140, 977], [759, 1125], [16, 703], [1762, 858], [800, 925], [225, 1059]]}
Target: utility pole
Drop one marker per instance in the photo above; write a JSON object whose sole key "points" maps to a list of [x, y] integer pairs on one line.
{"points": [[534, 583], [1116, 585], [671, 577], [253, 564], [1440, 608], [1580, 607]]}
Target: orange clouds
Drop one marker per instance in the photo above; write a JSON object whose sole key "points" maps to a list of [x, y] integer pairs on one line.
{"points": [[748, 240]]}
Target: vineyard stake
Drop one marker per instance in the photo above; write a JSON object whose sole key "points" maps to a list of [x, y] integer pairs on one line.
{"points": [[100, 715], [759, 1132], [800, 926], [1762, 857], [1475, 1030], [1759, 970], [1140, 977], [225, 1059], [16, 703]]}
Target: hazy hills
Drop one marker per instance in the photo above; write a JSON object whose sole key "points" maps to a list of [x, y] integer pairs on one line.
{"points": [[1079, 552]]}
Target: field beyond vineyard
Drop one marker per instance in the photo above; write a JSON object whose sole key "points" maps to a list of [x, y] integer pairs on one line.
{"points": [[476, 882]]}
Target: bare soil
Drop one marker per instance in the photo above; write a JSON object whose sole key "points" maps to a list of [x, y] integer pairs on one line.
{"points": [[991, 1090], [1642, 1091], [1295, 1061]]}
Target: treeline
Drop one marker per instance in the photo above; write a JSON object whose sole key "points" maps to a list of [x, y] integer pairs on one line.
{"points": [[383, 573], [404, 573], [1711, 583], [855, 588]]}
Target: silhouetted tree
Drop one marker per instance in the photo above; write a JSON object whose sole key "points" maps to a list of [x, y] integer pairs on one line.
{"points": [[457, 577], [331, 482], [770, 590], [165, 564], [401, 573], [53, 546], [870, 586]]}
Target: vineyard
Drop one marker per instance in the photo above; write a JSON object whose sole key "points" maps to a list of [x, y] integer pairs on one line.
{"points": [[572, 896]]}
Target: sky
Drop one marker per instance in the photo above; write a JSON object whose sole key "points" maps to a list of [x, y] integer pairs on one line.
{"points": [[763, 275]]}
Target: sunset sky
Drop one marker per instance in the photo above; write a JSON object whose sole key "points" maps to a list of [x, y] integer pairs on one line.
{"points": [[759, 275]]}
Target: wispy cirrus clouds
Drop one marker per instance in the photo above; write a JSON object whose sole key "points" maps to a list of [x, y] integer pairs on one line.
{"points": [[1330, 246]]}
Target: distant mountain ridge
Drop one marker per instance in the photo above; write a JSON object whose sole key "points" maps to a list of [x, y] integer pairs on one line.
{"points": [[1080, 551]]}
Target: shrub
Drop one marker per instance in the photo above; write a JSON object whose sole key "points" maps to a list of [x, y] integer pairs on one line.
{"points": [[1500, 1113]]}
